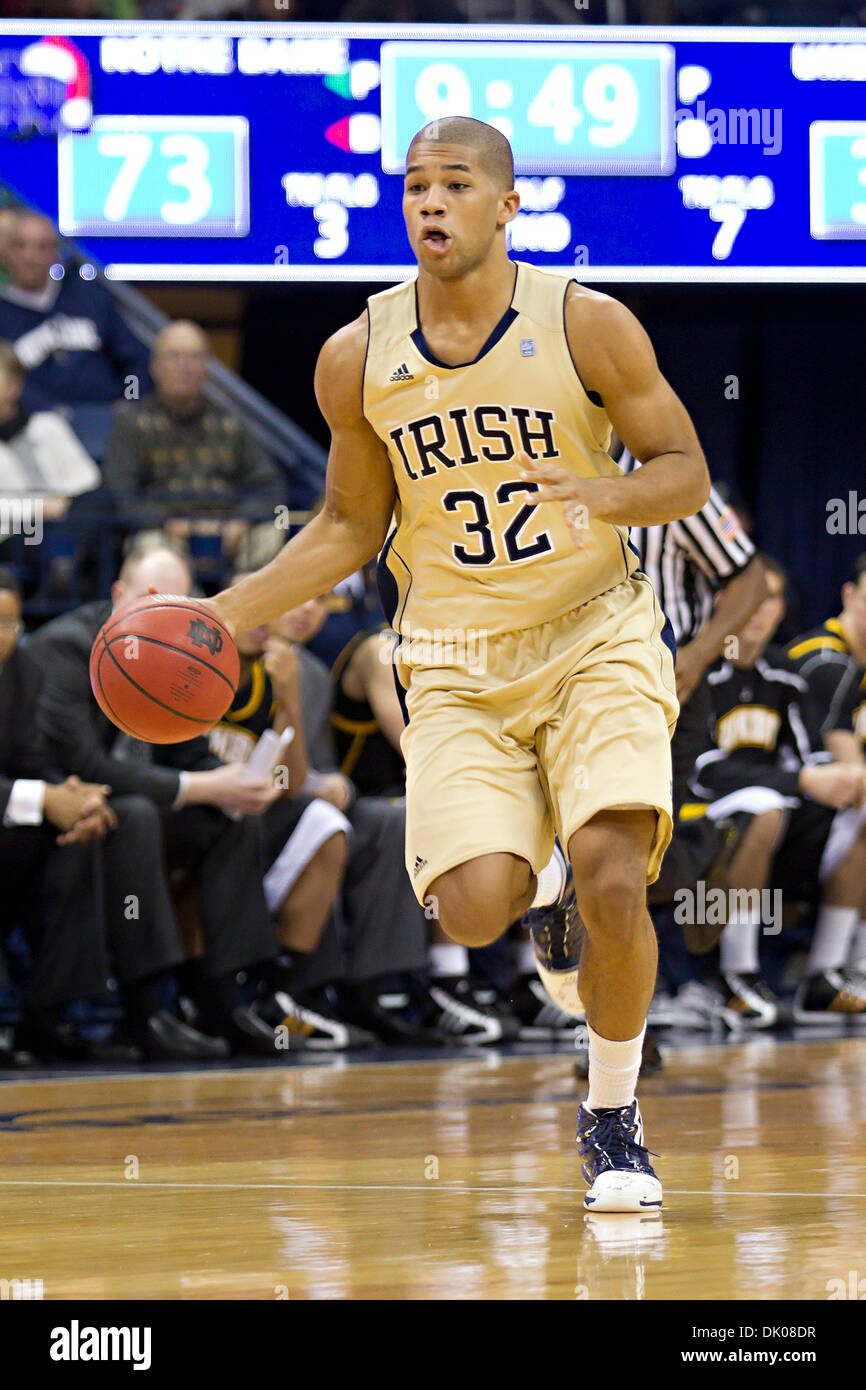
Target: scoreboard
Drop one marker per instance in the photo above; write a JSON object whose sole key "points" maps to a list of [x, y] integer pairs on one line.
{"points": [[216, 151]]}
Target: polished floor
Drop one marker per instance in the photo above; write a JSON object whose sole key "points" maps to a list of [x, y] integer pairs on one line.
{"points": [[451, 1179]]}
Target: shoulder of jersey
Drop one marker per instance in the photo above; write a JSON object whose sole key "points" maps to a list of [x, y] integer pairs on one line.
{"points": [[819, 642]]}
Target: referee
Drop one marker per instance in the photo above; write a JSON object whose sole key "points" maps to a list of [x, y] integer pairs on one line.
{"points": [[709, 581]]}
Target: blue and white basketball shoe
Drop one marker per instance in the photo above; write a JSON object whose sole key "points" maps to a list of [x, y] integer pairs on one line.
{"points": [[615, 1162], [557, 933]]}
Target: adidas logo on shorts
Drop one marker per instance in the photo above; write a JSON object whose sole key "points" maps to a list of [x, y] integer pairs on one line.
{"points": [[402, 374], [418, 865]]}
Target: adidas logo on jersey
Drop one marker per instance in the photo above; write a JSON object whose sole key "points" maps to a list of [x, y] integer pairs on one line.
{"points": [[402, 374], [418, 865]]}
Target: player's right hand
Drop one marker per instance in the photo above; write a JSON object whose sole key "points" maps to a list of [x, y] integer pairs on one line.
{"points": [[838, 785], [215, 605], [232, 791]]}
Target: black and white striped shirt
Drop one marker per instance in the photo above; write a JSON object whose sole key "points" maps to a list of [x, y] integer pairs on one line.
{"points": [[688, 561]]}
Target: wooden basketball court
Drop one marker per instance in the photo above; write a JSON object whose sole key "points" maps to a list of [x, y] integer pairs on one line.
{"points": [[447, 1179]]}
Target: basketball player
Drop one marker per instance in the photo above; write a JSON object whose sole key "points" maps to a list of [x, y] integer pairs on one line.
{"points": [[539, 687]]}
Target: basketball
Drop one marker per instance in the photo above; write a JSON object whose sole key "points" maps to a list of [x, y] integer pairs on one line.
{"points": [[164, 668]]}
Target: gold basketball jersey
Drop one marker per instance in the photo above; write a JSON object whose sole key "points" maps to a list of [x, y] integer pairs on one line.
{"points": [[469, 549]]}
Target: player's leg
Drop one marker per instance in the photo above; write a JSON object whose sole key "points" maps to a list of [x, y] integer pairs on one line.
{"points": [[604, 748], [609, 857], [306, 852], [744, 991], [856, 966], [304, 911], [470, 906], [835, 845], [478, 826], [475, 902]]}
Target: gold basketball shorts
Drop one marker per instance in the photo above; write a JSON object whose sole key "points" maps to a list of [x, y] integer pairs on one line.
{"points": [[539, 730]]}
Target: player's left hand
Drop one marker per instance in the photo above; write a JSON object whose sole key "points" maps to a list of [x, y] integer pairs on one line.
{"points": [[581, 497]]}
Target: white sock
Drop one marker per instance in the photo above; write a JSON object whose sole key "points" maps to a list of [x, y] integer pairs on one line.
{"points": [[613, 1069], [524, 958], [551, 880], [738, 946], [447, 958], [857, 953], [834, 931]]}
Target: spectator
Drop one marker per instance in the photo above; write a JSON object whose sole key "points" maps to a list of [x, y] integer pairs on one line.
{"points": [[7, 224], [305, 847], [56, 886], [40, 456], [806, 831], [69, 334], [832, 660], [48, 824], [196, 795], [174, 457]]}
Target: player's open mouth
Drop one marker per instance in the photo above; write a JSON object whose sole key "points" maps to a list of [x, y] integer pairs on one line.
{"points": [[434, 239]]}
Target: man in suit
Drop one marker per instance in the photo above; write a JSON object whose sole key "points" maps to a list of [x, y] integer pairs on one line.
{"points": [[61, 843], [191, 796]]}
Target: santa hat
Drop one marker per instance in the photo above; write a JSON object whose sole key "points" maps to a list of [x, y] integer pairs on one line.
{"points": [[60, 58]]}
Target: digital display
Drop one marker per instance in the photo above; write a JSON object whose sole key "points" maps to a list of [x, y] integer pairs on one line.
{"points": [[217, 151], [566, 108], [837, 177], [155, 176]]}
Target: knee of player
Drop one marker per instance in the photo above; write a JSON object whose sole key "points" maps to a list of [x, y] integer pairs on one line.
{"points": [[612, 900], [766, 827], [334, 852], [468, 918]]}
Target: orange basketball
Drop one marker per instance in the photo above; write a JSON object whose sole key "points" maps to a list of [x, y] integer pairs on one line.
{"points": [[164, 668]]}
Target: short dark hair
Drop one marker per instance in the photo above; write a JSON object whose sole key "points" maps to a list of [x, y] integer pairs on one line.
{"points": [[495, 151], [8, 583]]}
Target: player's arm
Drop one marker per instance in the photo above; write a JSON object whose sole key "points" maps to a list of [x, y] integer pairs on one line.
{"points": [[734, 606], [614, 357], [373, 667], [844, 746], [833, 680], [359, 499]]}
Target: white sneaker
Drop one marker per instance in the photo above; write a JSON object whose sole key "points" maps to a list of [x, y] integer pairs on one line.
{"points": [[708, 1005], [673, 1011]]}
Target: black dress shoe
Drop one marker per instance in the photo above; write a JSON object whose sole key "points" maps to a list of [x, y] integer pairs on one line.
{"points": [[167, 1038], [59, 1041], [248, 1033], [13, 1058], [391, 1025]]}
